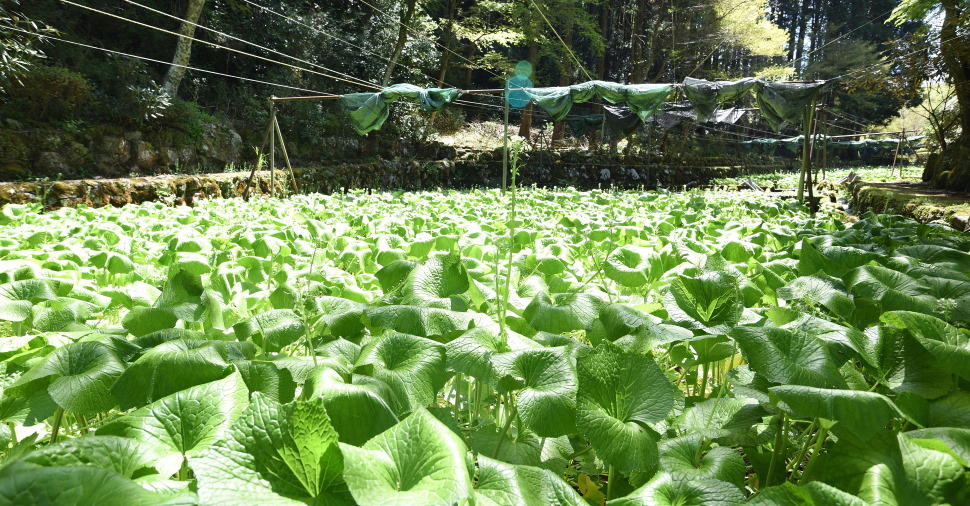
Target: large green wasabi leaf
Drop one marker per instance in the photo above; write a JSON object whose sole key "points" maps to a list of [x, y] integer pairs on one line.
{"points": [[891, 469], [813, 493], [28, 290], [15, 310], [891, 289], [833, 260], [629, 266], [170, 367], [359, 409], [418, 461], [413, 367], [949, 439], [934, 254], [685, 455], [274, 454], [821, 290], [124, 456], [436, 283], [788, 357], [70, 486], [273, 329], [266, 377], [502, 484], [78, 376], [619, 395], [666, 489], [728, 420], [436, 323], [182, 295], [146, 320], [949, 345], [858, 413], [711, 302], [342, 317], [562, 312], [183, 424], [472, 352], [546, 385]]}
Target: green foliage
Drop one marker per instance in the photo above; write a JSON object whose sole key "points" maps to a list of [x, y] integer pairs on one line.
{"points": [[48, 94], [651, 348]]}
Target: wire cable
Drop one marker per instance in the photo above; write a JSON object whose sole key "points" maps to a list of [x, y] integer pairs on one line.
{"points": [[145, 58], [253, 44], [581, 67], [215, 45]]}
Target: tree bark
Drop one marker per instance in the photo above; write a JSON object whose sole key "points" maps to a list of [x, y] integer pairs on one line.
{"points": [[402, 38], [183, 48], [565, 77], [637, 63], [525, 126], [446, 52], [800, 43], [952, 168]]}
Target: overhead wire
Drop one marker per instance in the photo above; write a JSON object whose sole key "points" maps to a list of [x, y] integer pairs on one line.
{"points": [[253, 44], [187, 67], [356, 81], [568, 49], [429, 39]]}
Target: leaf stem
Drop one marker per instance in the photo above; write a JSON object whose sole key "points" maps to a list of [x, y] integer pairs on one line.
{"points": [[610, 478], [511, 414], [780, 441], [819, 441], [58, 416]]}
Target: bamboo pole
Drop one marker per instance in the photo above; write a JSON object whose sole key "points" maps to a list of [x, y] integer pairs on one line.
{"points": [[252, 173], [505, 138], [272, 151], [286, 157], [899, 143]]}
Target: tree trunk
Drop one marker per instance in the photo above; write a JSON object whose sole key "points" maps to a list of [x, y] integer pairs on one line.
{"points": [[183, 48], [565, 77], [525, 127], [952, 168], [637, 63], [402, 38], [446, 52], [800, 43]]}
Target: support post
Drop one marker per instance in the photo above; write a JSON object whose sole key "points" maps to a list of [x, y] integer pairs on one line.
{"points": [[899, 142], [286, 157], [272, 150], [257, 165], [505, 138], [805, 177]]}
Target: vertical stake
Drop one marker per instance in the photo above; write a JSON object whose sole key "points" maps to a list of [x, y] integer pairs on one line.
{"points": [[896, 155], [505, 138], [286, 157], [272, 150]]}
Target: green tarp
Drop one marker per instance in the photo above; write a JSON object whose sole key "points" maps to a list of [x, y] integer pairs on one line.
{"points": [[369, 111], [707, 96], [863, 149], [620, 122], [784, 103], [643, 99]]}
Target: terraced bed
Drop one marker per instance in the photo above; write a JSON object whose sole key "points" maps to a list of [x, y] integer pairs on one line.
{"points": [[541, 347]]}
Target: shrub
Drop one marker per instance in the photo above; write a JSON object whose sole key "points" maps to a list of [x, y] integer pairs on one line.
{"points": [[48, 94]]}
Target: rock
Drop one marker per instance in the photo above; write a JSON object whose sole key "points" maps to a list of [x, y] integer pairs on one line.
{"points": [[113, 150], [960, 222], [51, 163], [220, 145], [187, 156], [146, 157], [168, 157]]}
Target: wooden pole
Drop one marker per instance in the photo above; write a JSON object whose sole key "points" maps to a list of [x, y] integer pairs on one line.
{"points": [[256, 166], [272, 151], [806, 151], [810, 148], [286, 157], [899, 143], [505, 138]]}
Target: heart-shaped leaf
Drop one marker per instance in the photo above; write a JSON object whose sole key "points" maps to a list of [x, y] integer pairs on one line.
{"points": [[418, 461], [619, 395], [546, 386], [359, 409], [788, 357], [177, 427], [274, 454], [666, 489], [711, 302], [499, 483], [78, 376]]}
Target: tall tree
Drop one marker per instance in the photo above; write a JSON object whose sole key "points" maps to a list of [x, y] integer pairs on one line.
{"points": [[402, 39], [183, 48], [951, 168]]}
